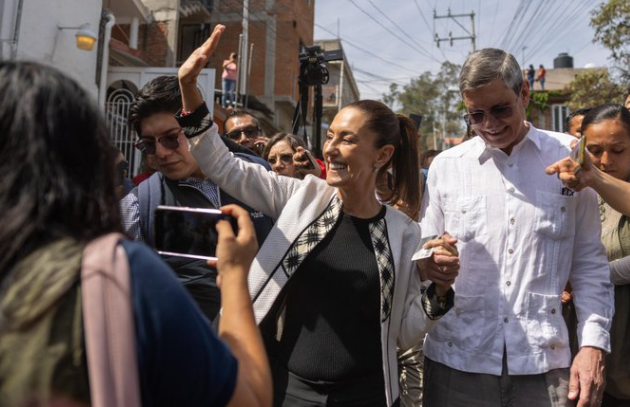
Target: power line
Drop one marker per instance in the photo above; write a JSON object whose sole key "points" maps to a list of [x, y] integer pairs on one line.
{"points": [[548, 23], [568, 23], [494, 19], [508, 32], [397, 26], [522, 35], [394, 34], [422, 15], [369, 52]]}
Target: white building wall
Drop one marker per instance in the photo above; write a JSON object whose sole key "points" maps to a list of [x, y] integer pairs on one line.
{"points": [[40, 40]]}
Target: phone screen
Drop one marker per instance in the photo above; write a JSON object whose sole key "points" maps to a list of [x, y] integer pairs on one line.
{"points": [[187, 232]]}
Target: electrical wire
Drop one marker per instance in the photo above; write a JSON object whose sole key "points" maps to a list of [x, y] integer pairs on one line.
{"points": [[421, 52], [345, 41]]}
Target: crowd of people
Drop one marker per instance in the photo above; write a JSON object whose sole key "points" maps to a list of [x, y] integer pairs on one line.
{"points": [[373, 276]]}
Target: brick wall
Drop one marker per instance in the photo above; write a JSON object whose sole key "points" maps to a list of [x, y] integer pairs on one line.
{"points": [[294, 24], [151, 41]]}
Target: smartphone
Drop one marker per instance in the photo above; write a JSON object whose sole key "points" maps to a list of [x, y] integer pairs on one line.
{"points": [[577, 154], [187, 232]]}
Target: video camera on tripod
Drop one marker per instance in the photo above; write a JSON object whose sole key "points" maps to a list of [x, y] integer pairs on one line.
{"points": [[313, 72]]}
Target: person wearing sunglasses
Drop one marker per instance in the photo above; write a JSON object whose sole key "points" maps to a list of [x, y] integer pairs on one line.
{"points": [[245, 129], [522, 235], [288, 156], [178, 182]]}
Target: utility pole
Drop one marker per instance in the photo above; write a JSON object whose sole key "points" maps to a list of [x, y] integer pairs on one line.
{"points": [[471, 34], [242, 68]]}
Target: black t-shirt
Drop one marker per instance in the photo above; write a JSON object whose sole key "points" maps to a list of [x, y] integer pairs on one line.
{"points": [[332, 329]]}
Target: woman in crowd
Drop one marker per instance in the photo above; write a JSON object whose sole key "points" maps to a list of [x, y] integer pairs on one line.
{"points": [[334, 287], [607, 131], [288, 156], [615, 192], [228, 77], [57, 193]]}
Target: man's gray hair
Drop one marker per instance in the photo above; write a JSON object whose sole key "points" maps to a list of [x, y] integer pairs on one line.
{"points": [[484, 66]]}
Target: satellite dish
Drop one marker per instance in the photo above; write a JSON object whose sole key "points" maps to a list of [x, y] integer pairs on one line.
{"points": [[590, 65]]}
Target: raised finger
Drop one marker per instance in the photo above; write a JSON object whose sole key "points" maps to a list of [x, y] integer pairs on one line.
{"points": [[208, 47]]}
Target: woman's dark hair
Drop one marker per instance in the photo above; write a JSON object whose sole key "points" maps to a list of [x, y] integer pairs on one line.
{"points": [[399, 131], [607, 112], [56, 161], [293, 140]]}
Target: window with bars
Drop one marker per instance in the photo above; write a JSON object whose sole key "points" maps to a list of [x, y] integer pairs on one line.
{"points": [[559, 114]]}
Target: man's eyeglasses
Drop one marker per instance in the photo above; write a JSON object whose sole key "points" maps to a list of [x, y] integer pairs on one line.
{"points": [[498, 113], [286, 158], [147, 143], [249, 131]]}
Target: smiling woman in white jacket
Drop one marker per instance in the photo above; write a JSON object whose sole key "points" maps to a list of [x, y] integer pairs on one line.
{"points": [[333, 285]]}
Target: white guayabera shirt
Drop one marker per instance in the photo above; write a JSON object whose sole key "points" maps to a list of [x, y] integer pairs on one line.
{"points": [[522, 236]]}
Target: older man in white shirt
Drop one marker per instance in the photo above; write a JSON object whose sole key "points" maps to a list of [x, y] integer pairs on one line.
{"points": [[522, 236]]}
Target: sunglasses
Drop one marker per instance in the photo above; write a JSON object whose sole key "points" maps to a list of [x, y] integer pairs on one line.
{"points": [[249, 131], [498, 113], [286, 158], [147, 146]]}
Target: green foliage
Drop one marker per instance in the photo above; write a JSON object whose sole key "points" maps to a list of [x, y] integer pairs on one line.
{"points": [[611, 21], [538, 100], [435, 97], [593, 88]]}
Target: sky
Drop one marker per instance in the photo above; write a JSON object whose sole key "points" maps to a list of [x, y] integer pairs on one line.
{"points": [[389, 41]]}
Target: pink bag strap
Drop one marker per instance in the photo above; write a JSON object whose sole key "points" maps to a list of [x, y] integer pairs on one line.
{"points": [[110, 338]]}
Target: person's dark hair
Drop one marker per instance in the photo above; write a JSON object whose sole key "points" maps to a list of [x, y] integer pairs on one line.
{"points": [[607, 112], [56, 160], [428, 154], [579, 112], [241, 113], [160, 95], [399, 131], [293, 140]]}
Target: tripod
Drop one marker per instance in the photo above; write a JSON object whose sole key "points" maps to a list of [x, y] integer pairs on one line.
{"points": [[301, 112]]}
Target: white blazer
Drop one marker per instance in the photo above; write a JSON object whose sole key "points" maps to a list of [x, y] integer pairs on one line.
{"points": [[296, 204]]}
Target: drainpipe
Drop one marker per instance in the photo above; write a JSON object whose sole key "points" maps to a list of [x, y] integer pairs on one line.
{"points": [[16, 33], [134, 28], [102, 87]]}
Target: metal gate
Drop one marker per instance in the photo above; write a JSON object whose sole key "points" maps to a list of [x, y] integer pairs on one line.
{"points": [[117, 110]]}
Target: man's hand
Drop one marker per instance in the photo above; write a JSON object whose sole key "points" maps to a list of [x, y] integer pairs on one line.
{"points": [[305, 162], [191, 68], [260, 144], [235, 253], [587, 377], [443, 265]]}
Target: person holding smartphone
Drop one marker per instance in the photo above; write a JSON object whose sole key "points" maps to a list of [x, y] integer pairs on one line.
{"points": [[57, 195], [288, 156]]}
